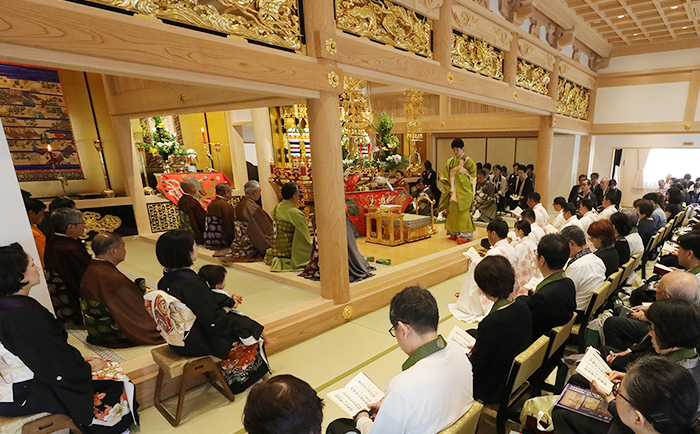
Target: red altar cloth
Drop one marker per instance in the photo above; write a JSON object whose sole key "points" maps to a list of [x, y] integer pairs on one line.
{"points": [[169, 185], [356, 204]]}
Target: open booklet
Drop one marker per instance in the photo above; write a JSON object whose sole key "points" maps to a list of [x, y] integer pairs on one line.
{"points": [[461, 339], [585, 402], [593, 367], [357, 395]]}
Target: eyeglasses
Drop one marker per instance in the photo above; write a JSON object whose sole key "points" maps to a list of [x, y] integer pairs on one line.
{"points": [[392, 330], [616, 392]]}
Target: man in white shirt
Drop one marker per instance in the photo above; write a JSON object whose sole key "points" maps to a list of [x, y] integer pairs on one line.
{"points": [[559, 221], [497, 234], [585, 268], [569, 214], [609, 207], [541, 214], [435, 388], [536, 231], [588, 215]]}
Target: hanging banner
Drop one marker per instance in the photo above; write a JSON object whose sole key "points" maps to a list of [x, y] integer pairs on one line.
{"points": [[35, 119]]}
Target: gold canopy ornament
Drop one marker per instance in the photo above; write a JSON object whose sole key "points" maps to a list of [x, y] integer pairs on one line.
{"points": [[386, 22], [414, 111], [355, 112], [477, 56], [273, 22], [532, 77], [572, 99]]}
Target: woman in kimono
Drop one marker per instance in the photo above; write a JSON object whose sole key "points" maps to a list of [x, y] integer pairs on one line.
{"points": [[228, 335], [41, 371]]}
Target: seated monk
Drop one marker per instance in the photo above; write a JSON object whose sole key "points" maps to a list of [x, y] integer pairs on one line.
{"points": [[291, 241], [218, 229], [192, 215], [253, 228], [109, 293], [66, 260]]}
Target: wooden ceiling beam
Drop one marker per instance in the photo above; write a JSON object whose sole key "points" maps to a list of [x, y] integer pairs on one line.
{"points": [[663, 17], [604, 18]]}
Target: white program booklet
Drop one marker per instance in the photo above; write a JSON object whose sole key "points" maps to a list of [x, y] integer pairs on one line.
{"points": [[459, 337], [517, 211], [357, 395], [593, 367], [472, 255]]}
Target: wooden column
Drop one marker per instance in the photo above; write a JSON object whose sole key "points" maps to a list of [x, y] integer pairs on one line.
{"points": [[263, 150], [442, 35], [510, 62], [132, 172], [545, 137], [329, 196], [584, 156], [554, 82], [319, 15]]}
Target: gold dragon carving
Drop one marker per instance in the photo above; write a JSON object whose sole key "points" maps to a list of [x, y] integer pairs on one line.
{"points": [[572, 99], [532, 77], [477, 56], [385, 22], [94, 222], [273, 22]]}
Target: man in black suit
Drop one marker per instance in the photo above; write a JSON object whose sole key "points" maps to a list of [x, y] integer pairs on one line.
{"points": [[573, 194], [523, 188], [554, 300]]}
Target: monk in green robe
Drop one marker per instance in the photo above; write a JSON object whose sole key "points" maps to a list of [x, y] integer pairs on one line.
{"points": [[457, 193], [291, 241]]}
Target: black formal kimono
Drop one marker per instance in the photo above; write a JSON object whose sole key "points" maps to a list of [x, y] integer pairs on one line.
{"points": [[62, 380], [66, 260]]}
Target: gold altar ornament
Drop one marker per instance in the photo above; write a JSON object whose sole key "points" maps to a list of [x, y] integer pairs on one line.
{"points": [[94, 222], [354, 109], [273, 22], [515, 94], [477, 56], [331, 46], [532, 77], [348, 312], [450, 78], [333, 79], [385, 22], [413, 109], [572, 99]]}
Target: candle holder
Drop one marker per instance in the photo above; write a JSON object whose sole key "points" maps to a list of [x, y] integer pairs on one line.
{"points": [[107, 192], [62, 179], [217, 148]]}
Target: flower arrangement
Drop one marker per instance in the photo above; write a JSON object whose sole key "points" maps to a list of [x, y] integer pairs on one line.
{"points": [[163, 142]]}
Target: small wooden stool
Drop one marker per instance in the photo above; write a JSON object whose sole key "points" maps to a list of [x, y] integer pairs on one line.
{"points": [[186, 368], [39, 423]]}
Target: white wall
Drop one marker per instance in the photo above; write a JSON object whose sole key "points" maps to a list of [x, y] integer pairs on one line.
{"points": [[605, 146], [562, 168], [13, 219], [641, 62], [664, 102]]}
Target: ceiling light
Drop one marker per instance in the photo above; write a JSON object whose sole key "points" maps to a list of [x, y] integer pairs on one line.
{"points": [[674, 7], [684, 27], [620, 16], [636, 34]]}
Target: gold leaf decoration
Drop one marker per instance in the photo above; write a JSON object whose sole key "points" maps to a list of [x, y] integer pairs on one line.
{"points": [[273, 22], [572, 99], [450, 78], [331, 46], [94, 222], [333, 79], [385, 22], [355, 112], [532, 77], [477, 56]]}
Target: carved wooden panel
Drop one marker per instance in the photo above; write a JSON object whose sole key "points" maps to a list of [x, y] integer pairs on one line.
{"points": [[572, 73], [429, 8], [535, 54], [467, 21]]}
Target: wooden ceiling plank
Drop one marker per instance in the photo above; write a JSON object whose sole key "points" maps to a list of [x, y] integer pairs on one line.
{"points": [[604, 18], [663, 17], [634, 18]]}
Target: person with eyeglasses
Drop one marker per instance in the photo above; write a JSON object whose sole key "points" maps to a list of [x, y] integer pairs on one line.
{"points": [[656, 395], [435, 388]]}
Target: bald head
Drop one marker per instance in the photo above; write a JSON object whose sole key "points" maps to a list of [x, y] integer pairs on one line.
{"points": [[679, 285], [188, 186], [109, 246]]}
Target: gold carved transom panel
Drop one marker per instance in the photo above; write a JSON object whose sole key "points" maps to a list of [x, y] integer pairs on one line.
{"points": [[532, 77], [572, 99], [477, 56]]}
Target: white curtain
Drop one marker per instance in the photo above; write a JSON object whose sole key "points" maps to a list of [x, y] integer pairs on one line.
{"points": [[642, 157]]}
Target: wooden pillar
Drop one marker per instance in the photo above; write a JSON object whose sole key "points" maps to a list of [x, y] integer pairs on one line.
{"points": [[263, 151], [236, 149], [552, 89], [132, 172], [329, 196], [545, 137], [584, 155], [510, 62], [442, 35], [319, 15]]}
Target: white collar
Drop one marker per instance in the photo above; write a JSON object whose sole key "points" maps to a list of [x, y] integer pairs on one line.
{"points": [[501, 242]]}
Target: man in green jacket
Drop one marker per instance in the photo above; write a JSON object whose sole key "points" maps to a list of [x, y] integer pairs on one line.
{"points": [[291, 241], [457, 193]]}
